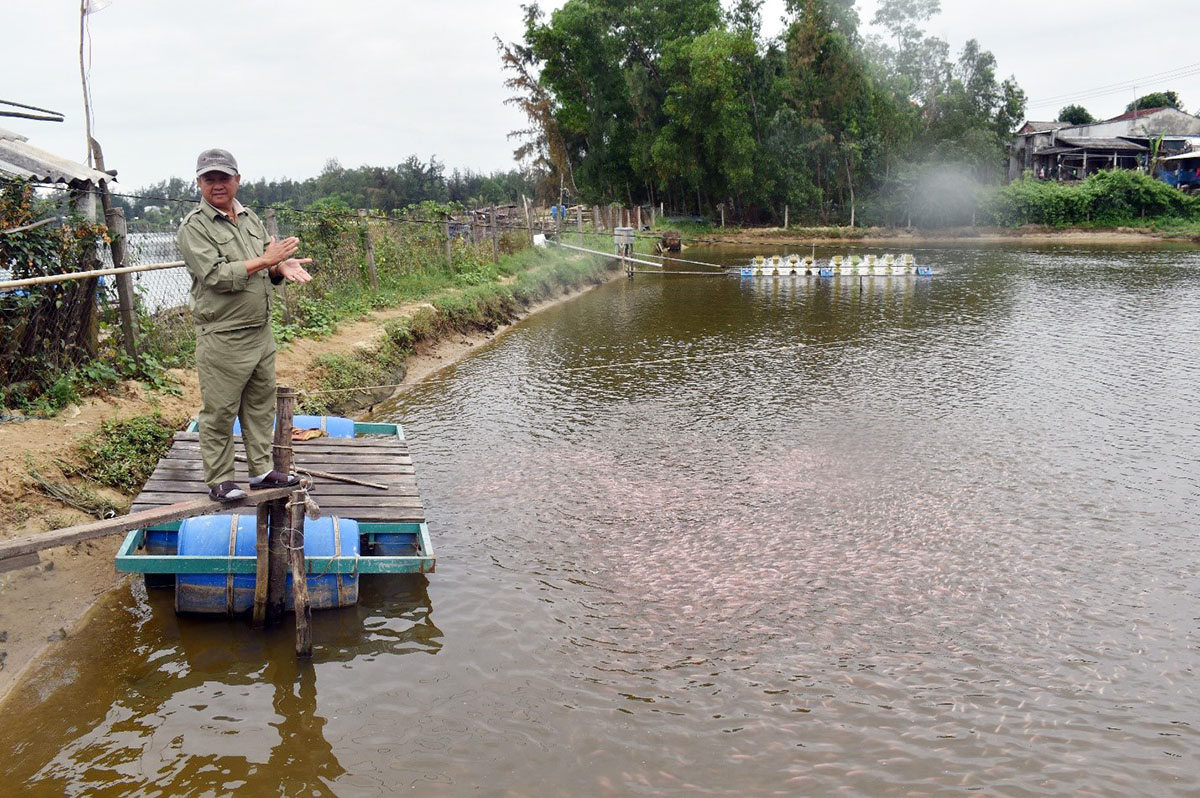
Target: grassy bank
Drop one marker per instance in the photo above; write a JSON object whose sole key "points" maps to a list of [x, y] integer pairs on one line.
{"points": [[519, 281], [118, 454]]}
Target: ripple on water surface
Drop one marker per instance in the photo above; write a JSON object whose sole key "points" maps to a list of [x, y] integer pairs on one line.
{"points": [[946, 545]]}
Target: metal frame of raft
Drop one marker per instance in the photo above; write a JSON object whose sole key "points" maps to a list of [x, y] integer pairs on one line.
{"points": [[413, 533]]}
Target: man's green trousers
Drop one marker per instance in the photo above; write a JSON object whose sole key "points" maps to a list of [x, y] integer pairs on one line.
{"points": [[237, 380]]}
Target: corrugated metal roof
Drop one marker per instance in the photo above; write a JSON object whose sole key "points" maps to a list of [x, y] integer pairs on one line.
{"points": [[1181, 156], [19, 158], [1096, 143]]}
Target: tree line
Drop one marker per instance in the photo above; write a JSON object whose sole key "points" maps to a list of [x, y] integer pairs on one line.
{"points": [[685, 102], [381, 188]]}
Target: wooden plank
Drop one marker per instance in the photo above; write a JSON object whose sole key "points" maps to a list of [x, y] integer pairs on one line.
{"points": [[316, 443], [188, 507], [322, 486], [379, 515], [23, 561], [195, 469], [326, 462], [376, 499]]}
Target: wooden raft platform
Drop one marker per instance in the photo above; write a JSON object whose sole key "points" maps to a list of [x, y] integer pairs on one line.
{"points": [[386, 460]]}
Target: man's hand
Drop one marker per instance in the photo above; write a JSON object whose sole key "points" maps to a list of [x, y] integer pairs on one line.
{"points": [[279, 251], [293, 269]]}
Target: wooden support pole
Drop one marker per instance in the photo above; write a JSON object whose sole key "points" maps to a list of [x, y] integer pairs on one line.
{"points": [[785, 217], [449, 251], [262, 572], [272, 225], [579, 222], [528, 221], [638, 211], [495, 236], [370, 248], [285, 404], [295, 546], [596, 228], [114, 218]]}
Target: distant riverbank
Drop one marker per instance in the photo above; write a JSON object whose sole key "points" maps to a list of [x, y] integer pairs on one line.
{"points": [[1030, 234]]}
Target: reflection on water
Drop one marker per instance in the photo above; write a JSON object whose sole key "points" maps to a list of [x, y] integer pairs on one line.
{"points": [[948, 544]]}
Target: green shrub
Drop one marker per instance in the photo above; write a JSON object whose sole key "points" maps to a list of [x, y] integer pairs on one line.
{"points": [[124, 453], [1108, 198]]}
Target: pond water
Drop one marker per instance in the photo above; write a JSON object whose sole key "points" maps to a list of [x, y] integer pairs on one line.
{"points": [[948, 544]]}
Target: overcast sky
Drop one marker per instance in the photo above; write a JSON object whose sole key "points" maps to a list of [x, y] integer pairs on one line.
{"points": [[288, 85]]}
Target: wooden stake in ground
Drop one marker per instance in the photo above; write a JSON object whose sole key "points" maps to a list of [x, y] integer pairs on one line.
{"points": [[285, 399], [295, 546]]}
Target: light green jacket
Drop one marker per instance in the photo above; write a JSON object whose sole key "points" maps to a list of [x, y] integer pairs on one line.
{"points": [[224, 296]]}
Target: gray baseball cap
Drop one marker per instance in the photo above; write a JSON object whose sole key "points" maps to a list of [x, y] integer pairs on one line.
{"points": [[216, 161]]}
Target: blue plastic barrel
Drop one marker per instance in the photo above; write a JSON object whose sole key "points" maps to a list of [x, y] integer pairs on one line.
{"points": [[226, 535], [333, 426]]}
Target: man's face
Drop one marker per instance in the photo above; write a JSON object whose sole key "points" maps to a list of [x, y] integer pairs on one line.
{"points": [[219, 189]]}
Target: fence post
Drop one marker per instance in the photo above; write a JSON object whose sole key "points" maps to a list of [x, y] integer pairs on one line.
{"points": [[579, 222], [115, 219], [449, 252], [785, 217], [528, 220], [370, 247], [495, 236], [272, 225], [638, 226], [596, 228]]}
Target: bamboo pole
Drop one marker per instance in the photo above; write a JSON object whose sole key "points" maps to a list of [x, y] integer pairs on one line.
{"points": [[85, 275]]}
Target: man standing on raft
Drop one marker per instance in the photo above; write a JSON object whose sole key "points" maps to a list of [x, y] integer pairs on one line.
{"points": [[233, 264]]}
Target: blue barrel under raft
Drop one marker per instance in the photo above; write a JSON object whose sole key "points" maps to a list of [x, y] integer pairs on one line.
{"points": [[333, 426], [226, 535]]}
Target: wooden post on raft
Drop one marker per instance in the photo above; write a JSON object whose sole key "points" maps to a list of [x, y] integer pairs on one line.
{"points": [[295, 546], [285, 399], [262, 572]]}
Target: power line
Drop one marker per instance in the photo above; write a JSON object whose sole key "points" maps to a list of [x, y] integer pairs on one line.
{"points": [[1117, 88]]}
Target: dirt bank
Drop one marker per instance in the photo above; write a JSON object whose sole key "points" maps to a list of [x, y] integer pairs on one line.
{"points": [[1034, 236], [41, 605]]}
